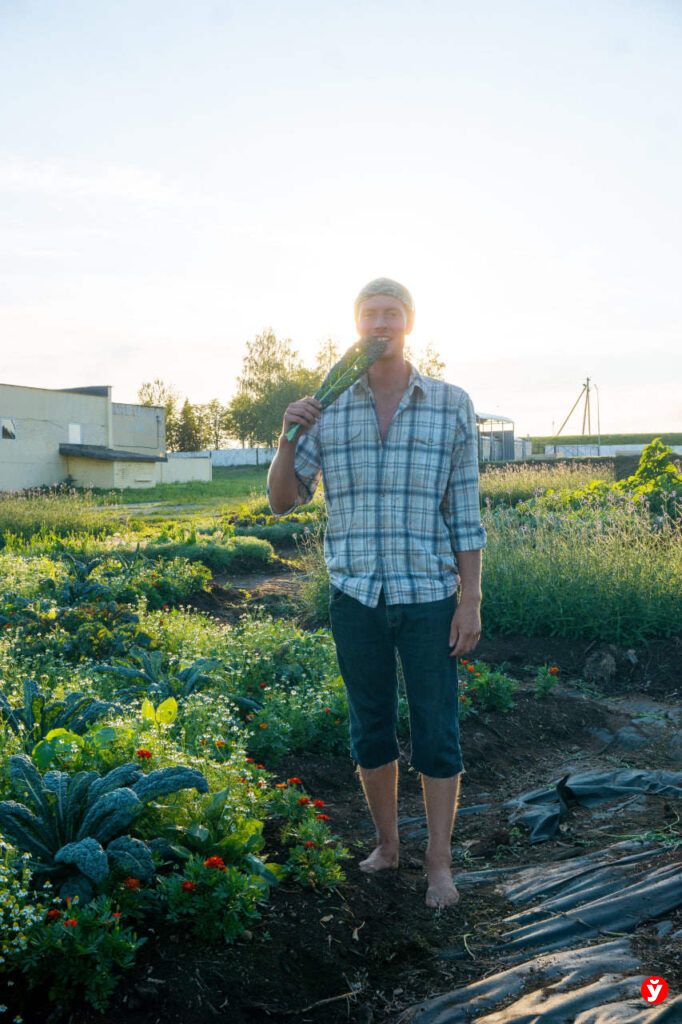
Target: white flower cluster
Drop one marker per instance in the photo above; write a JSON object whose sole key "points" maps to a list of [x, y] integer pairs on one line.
{"points": [[19, 911]]}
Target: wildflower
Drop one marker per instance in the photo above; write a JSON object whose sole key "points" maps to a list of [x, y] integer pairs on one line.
{"points": [[323, 817], [470, 668], [70, 922], [144, 754], [53, 914], [304, 800], [263, 725], [477, 674], [294, 780], [308, 844], [261, 766], [554, 670], [166, 607], [189, 886], [220, 743], [132, 883], [215, 862], [318, 803], [280, 785], [249, 760], [243, 779], [327, 711], [116, 914], [262, 686], [337, 721]]}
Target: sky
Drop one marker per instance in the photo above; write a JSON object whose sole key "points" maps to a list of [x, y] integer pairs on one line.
{"points": [[175, 178]]}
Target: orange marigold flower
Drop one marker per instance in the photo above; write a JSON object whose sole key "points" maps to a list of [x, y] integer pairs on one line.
{"points": [[323, 817], [280, 785], [261, 766], [294, 780], [470, 668], [243, 779], [318, 803], [477, 674], [304, 800], [144, 754], [132, 883], [554, 670], [70, 922], [220, 743], [53, 914], [464, 661], [249, 760], [189, 887], [308, 844], [263, 725], [215, 862]]}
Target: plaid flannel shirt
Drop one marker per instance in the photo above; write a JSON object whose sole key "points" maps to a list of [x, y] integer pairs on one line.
{"points": [[398, 511]]}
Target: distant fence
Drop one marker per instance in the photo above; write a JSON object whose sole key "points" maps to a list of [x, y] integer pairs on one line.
{"points": [[242, 456], [602, 449]]}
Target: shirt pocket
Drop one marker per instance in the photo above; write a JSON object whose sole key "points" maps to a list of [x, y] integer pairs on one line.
{"points": [[426, 462]]}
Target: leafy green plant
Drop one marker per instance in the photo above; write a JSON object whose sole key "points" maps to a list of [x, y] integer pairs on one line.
{"points": [[76, 827], [39, 716], [546, 678], [79, 952], [150, 675]]}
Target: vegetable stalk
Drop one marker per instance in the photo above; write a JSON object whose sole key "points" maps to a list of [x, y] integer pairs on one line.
{"points": [[350, 367]]}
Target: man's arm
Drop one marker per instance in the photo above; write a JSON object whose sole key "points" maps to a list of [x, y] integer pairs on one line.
{"points": [[468, 536], [293, 476]]}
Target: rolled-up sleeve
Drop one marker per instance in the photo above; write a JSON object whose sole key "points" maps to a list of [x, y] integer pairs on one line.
{"points": [[461, 507], [307, 467]]}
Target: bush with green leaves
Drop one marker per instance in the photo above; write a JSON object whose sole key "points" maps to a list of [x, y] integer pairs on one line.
{"points": [[151, 674], [79, 953], [38, 715], [233, 553], [76, 828], [485, 689]]}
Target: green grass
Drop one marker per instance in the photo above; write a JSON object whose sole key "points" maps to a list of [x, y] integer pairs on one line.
{"points": [[230, 486], [511, 483]]}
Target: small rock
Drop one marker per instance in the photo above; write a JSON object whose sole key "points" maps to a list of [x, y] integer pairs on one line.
{"points": [[630, 738], [663, 928], [600, 666], [602, 735]]}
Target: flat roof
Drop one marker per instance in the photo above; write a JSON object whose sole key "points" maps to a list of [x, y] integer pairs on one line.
{"points": [[493, 416], [104, 454]]}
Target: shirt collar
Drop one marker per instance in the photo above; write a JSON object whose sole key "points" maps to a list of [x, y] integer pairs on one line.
{"points": [[415, 382]]}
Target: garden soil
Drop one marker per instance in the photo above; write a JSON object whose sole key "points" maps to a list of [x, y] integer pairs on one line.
{"points": [[370, 951]]}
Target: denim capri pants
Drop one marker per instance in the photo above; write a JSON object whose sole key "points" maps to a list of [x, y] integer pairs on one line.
{"points": [[366, 641]]}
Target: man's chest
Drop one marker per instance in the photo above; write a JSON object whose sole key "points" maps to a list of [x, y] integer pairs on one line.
{"points": [[385, 409]]}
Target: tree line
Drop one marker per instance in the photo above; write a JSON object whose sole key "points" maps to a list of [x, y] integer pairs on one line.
{"points": [[272, 377]]}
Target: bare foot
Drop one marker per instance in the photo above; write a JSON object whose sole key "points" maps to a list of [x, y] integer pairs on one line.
{"points": [[383, 857], [441, 891]]}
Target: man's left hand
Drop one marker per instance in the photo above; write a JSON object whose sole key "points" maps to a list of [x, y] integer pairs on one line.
{"points": [[465, 629]]}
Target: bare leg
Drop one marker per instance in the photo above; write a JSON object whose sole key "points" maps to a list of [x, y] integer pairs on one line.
{"points": [[441, 797], [381, 790]]}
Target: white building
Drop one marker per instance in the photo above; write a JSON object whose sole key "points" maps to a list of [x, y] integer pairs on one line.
{"points": [[48, 435]]}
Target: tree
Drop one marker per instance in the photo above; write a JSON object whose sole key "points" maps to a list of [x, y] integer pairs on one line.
{"points": [[159, 394], [191, 431], [213, 416], [327, 354], [428, 361], [272, 376]]}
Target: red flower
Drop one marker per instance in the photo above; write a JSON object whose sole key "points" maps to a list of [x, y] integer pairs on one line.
{"points": [[323, 817], [132, 883], [294, 780], [215, 862], [318, 803], [144, 754], [249, 760], [327, 711], [309, 844], [190, 886], [70, 922], [166, 607], [263, 686], [116, 914], [464, 661], [53, 914], [220, 743], [261, 766], [471, 668], [304, 799], [554, 670]]}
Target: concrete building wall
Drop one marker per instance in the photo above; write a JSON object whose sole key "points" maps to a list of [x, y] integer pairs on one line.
{"points": [[185, 466], [41, 420], [139, 428], [136, 474], [90, 472]]}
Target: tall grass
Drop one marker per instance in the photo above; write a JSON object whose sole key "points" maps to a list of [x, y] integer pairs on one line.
{"points": [[59, 513], [512, 483], [613, 576]]}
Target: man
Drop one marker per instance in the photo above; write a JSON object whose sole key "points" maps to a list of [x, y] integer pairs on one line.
{"points": [[398, 454]]}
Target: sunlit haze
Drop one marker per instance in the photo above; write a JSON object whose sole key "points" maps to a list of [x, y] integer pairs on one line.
{"points": [[175, 178]]}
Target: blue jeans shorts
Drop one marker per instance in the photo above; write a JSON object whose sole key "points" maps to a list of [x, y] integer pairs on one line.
{"points": [[366, 643]]}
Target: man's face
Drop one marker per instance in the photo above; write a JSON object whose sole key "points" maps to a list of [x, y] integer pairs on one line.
{"points": [[384, 317]]}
